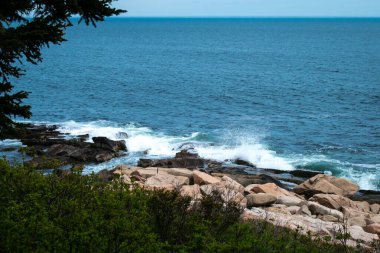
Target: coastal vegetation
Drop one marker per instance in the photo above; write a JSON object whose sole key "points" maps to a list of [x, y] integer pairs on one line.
{"points": [[75, 213]]}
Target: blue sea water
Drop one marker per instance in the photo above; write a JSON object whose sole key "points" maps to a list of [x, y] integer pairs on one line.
{"points": [[280, 93]]}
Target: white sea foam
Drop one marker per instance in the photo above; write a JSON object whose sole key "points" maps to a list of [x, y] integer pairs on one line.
{"points": [[144, 142], [256, 154], [142, 139], [365, 175]]}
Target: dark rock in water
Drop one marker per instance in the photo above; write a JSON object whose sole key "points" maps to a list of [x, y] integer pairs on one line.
{"points": [[371, 197], [122, 135], [83, 152], [186, 146], [144, 162], [8, 149], [183, 159], [83, 137], [105, 175], [255, 179], [41, 128], [42, 142], [186, 154], [211, 165], [106, 156], [49, 147], [217, 167], [105, 143], [191, 163], [244, 163]]}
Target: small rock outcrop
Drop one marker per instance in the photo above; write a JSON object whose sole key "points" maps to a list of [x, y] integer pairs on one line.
{"points": [[105, 143], [183, 159], [46, 143], [327, 184]]}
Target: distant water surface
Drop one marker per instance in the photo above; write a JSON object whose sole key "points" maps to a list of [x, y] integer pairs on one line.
{"points": [[281, 93]]}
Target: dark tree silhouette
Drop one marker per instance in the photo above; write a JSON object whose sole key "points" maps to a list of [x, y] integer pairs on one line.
{"points": [[26, 26]]}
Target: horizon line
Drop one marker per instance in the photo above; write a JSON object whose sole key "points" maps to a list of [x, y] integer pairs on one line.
{"points": [[256, 17]]}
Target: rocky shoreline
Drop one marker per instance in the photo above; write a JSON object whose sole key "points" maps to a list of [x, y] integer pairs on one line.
{"points": [[320, 206], [47, 148], [304, 200]]}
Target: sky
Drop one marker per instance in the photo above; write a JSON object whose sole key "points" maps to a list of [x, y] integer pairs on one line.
{"points": [[251, 8]]}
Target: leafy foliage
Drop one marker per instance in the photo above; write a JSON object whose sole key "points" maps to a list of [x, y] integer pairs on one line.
{"points": [[25, 27], [75, 213]]}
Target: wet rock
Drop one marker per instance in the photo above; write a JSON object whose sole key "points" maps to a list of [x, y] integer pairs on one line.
{"points": [[326, 184], [260, 199], [105, 143], [186, 154], [8, 149], [103, 157], [121, 135], [246, 180], [83, 137], [191, 163], [46, 143], [372, 197], [244, 163], [42, 142]]}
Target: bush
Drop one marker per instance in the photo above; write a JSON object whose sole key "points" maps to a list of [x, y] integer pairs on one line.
{"points": [[82, 214]]}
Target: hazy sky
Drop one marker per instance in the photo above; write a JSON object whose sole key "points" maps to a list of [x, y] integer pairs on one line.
{"points": [[252, 8]]}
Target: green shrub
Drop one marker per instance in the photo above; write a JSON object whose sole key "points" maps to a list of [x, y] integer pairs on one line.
{"points": [[81, 214]]}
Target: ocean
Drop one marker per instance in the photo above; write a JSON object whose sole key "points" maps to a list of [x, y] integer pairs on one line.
{"points": [[279, 93]]}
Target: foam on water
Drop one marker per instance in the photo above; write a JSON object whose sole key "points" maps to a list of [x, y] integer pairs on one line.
{"points": [[230, 145], [143, 141], [365, 175], [256, 154]]}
